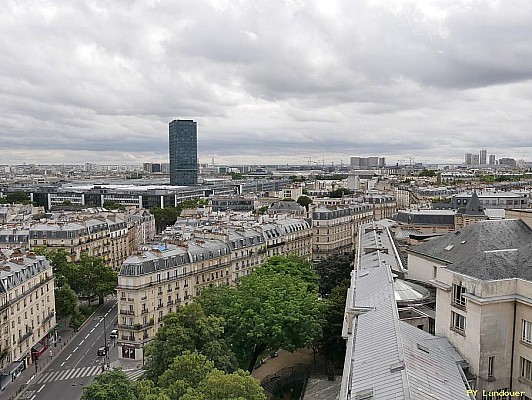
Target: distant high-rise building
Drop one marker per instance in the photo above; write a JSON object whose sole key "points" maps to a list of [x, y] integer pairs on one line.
{"points": [[507, 161], [468, 159], [183, 152], [483, 156], [367, 162], [475, 159], [492, 159]]}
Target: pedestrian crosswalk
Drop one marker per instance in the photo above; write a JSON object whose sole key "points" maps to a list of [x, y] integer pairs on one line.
{"points": [[72, 373], [134, 374]]}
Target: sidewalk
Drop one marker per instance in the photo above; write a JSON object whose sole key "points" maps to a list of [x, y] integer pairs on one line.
{"points": [[15, 388], [283, 360]]}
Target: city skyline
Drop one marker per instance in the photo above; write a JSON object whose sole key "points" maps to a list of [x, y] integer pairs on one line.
{"points": [[278, 81]]}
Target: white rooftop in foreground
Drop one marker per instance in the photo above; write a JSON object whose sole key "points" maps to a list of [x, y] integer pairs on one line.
{"points": [[387, 358]]}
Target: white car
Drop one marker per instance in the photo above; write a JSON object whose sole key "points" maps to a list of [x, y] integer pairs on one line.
{"points": [[114, 334]]}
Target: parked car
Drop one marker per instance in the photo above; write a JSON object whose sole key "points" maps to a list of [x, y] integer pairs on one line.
{"points": [[114, 334], [102, 351]]}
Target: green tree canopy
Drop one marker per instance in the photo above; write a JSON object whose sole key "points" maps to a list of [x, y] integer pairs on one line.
{"points": [[219, 385], [95, 278], [293, 266], [188, 329], [304, 201], [333, 271], [340, 192], [17, 197], [167, 216], [333, 344], [192, 376], [427, 172], [112, 385], [66, 301], [113, 205], [267, 309]]}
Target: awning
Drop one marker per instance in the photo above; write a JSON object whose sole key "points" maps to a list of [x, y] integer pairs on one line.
{"points": [[13, 367], [38, 349]]}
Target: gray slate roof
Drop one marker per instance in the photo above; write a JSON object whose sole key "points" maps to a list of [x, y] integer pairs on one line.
{"points": [[391, 358], [497, 249]]}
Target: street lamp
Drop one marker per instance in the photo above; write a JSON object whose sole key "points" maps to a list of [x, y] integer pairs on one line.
{"points": [[105, 339]]}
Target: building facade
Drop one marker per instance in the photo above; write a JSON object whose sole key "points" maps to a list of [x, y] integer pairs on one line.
{"points": [[484, 299], [153, 282], [27, 311], [183, 152], [334, 228]]}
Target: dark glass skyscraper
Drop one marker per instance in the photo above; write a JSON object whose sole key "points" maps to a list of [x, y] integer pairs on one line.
{"points": [[183, 152]]}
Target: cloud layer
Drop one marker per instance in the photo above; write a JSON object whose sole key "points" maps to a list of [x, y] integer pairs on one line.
{"points": [[267, 81]]}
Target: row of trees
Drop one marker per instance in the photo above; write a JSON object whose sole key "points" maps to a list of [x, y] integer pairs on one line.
{"points": [[190, 376], [87, 279], [16, 198]]}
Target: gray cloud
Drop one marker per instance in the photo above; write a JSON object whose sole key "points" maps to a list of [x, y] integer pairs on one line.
{"points": [[278, 80]]}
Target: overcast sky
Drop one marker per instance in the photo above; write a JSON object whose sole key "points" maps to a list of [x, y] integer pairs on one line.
{"points": [[267, 80]]}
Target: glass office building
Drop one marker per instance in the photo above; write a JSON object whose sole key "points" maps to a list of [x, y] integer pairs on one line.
{"points": [[183, 153]]}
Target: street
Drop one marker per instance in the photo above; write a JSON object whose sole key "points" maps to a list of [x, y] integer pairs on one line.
{"points": [[78, 364]]}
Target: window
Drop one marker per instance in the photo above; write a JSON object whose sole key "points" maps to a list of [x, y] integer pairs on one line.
{"points": [[458, 321], [526, 335], [458, 295], [491, 360], [526, 369]]}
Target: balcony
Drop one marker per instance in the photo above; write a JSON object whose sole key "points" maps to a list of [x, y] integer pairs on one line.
{"points": [[48, 317], [145, 311], [139, 327], [25, 336], [127, 312]]}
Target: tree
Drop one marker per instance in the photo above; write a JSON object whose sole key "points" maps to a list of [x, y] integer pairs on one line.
{"points": [[267, 310], [113, 205], [147, 390], [333, 271], [189, 328], [333, 344], [17, 197], [293, 266], [66, 301], [262, 210], [192, 376], [112, 385], [304, 201], [427, 172], [95, 278], [340, 192], [219, 385], [167, 216]]}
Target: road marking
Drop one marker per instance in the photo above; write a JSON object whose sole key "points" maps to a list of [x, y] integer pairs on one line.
{"points": [[73, 351], [92, 330], [88, 334], [68, 358], [63, 363], [42, 387], [33, 397], [80, 343]]}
